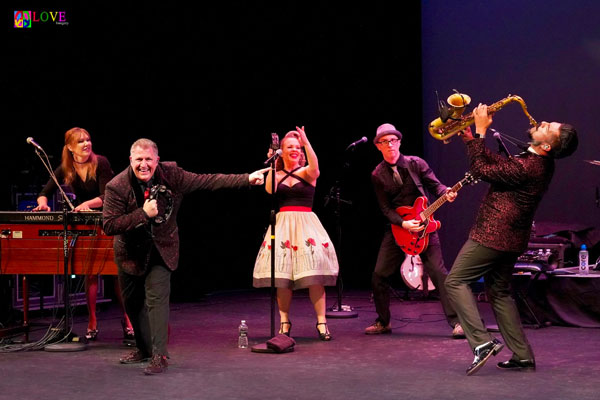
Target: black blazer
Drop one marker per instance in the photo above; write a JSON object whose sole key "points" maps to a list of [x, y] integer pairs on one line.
{"points": [[134, 233]]}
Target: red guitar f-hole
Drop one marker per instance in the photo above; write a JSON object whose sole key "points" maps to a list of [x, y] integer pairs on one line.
{"points": [[414, 243]]}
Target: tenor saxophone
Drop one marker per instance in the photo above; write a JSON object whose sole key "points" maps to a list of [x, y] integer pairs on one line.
{"points": [[457, 122]]}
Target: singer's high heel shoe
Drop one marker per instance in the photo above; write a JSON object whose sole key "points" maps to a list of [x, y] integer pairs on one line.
{"points": [[326, 336], [286, 333]]}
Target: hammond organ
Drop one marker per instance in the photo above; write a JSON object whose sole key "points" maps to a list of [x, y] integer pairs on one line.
{"points": [[32, 243]]}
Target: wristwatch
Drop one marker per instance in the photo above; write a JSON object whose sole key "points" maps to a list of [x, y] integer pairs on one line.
{"points": [[478, 135]]}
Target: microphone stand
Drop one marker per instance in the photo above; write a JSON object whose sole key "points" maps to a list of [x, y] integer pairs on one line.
{"points": [[69, 341], [262, 348], [272, 221], [46, 164], [339, 310]]}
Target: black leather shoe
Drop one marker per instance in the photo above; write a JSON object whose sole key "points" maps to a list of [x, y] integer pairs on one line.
{"points": [[482, 353], [517, 365]]}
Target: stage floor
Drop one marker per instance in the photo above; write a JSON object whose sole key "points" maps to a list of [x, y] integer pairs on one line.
{"points": [[419, 360]]}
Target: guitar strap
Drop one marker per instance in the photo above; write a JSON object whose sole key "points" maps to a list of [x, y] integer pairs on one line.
{"points": [[414, 174]]}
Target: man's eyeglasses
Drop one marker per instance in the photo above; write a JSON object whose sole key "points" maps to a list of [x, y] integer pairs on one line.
{"points": [[388, 142]]}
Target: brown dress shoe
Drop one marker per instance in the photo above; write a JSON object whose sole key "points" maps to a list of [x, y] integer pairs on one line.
{"points": [[377, 328], [134, 357], [157, 365]]}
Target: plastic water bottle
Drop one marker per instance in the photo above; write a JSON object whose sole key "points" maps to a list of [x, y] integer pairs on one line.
{"points": [[243, 337], [583, 260]]}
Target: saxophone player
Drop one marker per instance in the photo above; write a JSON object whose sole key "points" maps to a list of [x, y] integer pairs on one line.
{"points": [[501, 233]]}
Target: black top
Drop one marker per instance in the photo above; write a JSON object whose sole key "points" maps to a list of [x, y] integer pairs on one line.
{"points": [[87, 190], [300, 194], [417, 178], [403, 194]]}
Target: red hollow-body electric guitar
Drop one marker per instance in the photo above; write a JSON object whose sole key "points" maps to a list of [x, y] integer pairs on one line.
{"points": [[415, 243]]}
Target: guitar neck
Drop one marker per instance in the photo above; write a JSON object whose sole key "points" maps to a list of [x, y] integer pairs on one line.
{"points": [[438, 203]]}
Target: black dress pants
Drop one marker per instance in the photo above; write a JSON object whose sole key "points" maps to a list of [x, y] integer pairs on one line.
{"points": [[146, 299], [390, 258]]}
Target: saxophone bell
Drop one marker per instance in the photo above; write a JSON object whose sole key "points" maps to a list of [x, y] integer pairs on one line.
{"points": [[456, 106]]}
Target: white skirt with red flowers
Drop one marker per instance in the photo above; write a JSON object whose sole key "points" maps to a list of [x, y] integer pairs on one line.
{"points": [[304, 253]]}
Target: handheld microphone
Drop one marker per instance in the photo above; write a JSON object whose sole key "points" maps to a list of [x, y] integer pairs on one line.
{"points": [[274, 141], [359, 141], [32, 142], [501, 146], [274, 157]]}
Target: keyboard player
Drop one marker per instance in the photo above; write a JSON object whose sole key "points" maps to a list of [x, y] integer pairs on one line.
{"points": [[86, 174]]}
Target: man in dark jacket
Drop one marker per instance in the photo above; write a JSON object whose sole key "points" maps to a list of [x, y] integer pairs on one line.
{"points": [[146, 242], [501, 233], [398, 181]]}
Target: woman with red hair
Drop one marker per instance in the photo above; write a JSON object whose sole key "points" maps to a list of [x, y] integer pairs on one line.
{"points": [[85, 174]]}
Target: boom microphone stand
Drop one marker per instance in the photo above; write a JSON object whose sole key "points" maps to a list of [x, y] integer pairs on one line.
{"points": [[69, 340], [340, 310]]}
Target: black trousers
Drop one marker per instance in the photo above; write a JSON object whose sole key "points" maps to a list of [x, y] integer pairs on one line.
{"points": [[390, 258], [146, 299], [496, 267]]}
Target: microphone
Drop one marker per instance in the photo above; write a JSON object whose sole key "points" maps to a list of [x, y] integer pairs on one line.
{"points": [[32, 142], [443, 111], [274, 141], [274, 157], [501, 146], [359, 141]]}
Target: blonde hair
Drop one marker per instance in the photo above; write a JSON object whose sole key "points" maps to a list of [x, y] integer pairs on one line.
{"points": [[72, 136]]}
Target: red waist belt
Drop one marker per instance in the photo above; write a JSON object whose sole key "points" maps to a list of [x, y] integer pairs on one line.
{"points": [[295, 208]]}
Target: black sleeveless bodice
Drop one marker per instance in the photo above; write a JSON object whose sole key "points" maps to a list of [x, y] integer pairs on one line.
{"points": [[300, 194]]}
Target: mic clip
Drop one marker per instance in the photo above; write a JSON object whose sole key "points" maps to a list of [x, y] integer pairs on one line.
{"points": [[274, 157]]}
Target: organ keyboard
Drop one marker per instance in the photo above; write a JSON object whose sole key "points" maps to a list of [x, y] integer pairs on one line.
{"points": [[32, 243]]}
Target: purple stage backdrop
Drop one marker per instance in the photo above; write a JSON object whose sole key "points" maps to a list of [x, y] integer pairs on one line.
{"points": [[547, 52], [210, 81]]}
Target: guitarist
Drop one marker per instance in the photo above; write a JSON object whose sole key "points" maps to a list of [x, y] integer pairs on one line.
{"points": [[398, 181]]}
